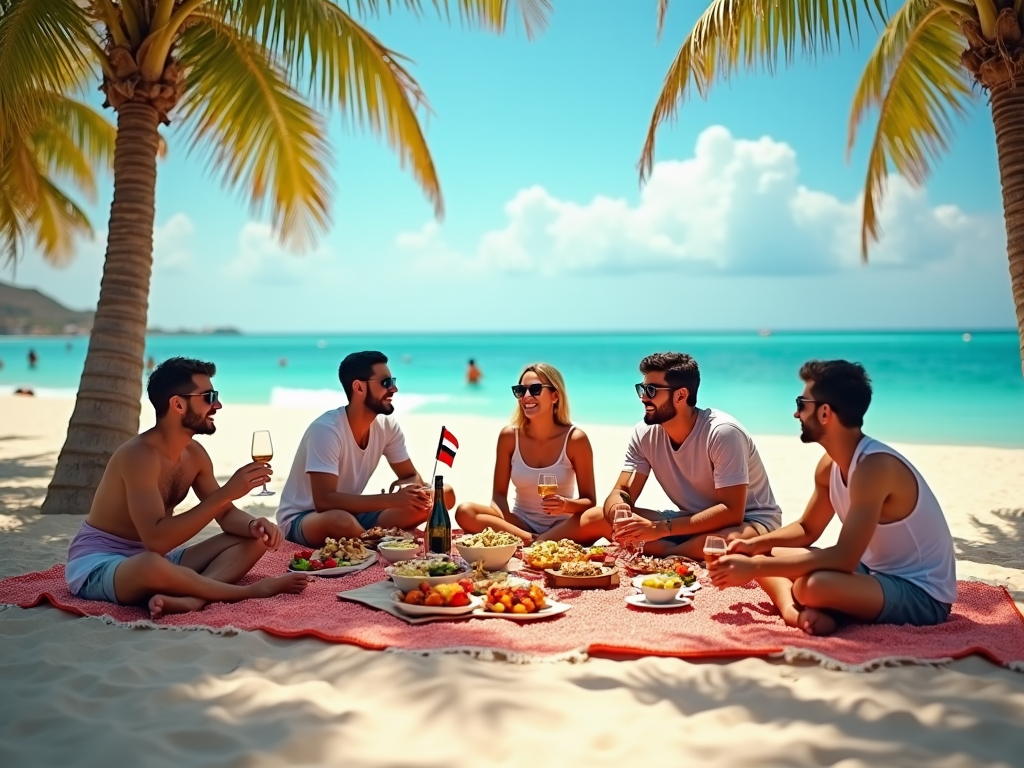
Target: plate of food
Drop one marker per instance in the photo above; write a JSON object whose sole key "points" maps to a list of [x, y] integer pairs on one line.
{"points": [[583, 573], [372, 536], [438, 600], [641, 601], [544, 555], [689, 580], [335, 558], [645, 564], [431, 570], [519, 600]]}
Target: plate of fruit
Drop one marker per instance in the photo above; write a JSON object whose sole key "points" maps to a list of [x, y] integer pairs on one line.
{"points": [[519, 600], [438, 599], [334, 558], [686, 573]]}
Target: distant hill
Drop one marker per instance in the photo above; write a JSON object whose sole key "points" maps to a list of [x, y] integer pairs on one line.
{"points": [[26, 310]]}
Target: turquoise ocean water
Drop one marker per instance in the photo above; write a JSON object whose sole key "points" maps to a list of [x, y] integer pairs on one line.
{"points": [[929, 387]]}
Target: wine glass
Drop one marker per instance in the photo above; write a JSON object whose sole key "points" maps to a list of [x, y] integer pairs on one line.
{"points": [[262, 451], [621, 513], [714, 548], [547, 485]]}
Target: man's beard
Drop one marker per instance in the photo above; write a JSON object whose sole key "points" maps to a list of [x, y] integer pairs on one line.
{"points": [[810, 431], [198, 424], [377, 405], [661, 413]]}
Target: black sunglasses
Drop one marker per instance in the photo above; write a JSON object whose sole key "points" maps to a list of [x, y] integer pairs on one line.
{"points": [[801, 401], [650, 390], [520, 390], [210, 396], [387, 382]]}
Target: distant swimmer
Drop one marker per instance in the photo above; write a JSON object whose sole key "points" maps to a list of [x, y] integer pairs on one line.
{"points": [[473, 374], [33, 358], [283, 362]]}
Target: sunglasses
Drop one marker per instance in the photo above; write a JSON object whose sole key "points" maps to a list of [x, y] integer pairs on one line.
{"points": [[801, 401], [650, 390], [387, 382], [209, 397], [520, 390]]}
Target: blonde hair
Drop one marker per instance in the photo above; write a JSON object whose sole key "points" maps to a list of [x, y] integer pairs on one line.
{"points": [[548, 374]]}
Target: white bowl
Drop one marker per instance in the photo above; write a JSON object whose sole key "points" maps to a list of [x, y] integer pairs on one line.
{"points": [[658, 595], [494, 558], [405, 583], [397, 554]]}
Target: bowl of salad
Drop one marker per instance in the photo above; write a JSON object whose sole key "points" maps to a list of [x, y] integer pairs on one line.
{"points": [[431, 570], [491, 548], [396, 550]]}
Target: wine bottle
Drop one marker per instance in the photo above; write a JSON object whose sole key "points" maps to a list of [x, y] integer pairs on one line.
{"points": [[439, 527]]}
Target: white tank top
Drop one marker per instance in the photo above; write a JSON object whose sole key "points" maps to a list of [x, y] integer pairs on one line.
{"points": [[918, 548], [527, 504]]}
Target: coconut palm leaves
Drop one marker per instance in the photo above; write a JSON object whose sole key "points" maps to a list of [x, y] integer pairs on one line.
{"points": [[67, 140]]}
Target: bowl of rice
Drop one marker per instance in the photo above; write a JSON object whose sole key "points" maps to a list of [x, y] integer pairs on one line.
{"points": [[493, 549]]}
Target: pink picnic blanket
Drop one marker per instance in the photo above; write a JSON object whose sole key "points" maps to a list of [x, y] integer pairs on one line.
{"points": [[721, 623]]}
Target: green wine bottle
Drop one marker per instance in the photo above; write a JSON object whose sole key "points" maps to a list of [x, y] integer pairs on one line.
{"points": [[439, 527]]}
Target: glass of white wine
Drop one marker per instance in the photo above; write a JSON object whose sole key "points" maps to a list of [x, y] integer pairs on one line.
{"points": [[262, 451], [547, 485]]}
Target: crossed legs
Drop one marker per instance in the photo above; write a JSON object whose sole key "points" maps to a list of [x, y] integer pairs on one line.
{"points": [[809, 602], [207, 573], [583, 527]]}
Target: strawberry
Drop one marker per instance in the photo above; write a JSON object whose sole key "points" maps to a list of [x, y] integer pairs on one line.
{"points": [[304, 554], [316, 565], [458, 600], [330, 562]]}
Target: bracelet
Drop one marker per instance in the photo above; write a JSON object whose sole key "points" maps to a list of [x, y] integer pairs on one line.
{"points": [[254, 520]]}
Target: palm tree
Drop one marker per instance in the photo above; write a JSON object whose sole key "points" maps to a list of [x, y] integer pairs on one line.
{"points": [[244, 78], [919, 77], [66, 138]]}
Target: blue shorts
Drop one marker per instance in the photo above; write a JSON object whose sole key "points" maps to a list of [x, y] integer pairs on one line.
{"points": [[293, 532], [92, 577], [674, 514], [906, 603]]}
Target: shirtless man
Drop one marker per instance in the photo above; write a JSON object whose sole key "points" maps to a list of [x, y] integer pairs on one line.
{"points": [[323, 495], [703, 459], [893, 562], [129, 549]]}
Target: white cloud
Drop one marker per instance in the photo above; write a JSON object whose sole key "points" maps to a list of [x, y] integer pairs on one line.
{"points": [[172, 244], [262, 259], [735, 207]]}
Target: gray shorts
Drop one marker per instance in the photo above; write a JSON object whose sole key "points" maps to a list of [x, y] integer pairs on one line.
{"points": [[675, 514], [92, 577], [905, 602], [294, 530]]}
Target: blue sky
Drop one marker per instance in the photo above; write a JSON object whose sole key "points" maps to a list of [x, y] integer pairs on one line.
{"points": [[751, 219]]}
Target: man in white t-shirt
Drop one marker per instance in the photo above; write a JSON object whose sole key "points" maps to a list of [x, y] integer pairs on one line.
{"points": [[894, 560], [703, 459], [323, 495]]}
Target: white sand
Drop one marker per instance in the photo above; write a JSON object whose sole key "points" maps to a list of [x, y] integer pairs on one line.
{"points": [[75, 691]]}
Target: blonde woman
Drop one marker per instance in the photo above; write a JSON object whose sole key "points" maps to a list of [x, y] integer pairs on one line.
{"points": [[540, 440]]}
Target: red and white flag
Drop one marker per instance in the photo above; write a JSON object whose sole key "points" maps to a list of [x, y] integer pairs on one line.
{"points": [[446, 447]]}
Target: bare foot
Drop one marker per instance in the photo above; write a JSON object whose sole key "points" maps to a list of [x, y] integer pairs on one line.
{"points": [[163, 605], [290, 583], [815, 622]]}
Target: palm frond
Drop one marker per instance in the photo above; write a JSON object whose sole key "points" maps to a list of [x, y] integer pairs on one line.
{"points": [[72, 140], [57, 222], [350, 68], [43, 47], [915, 80], [491, 15], [251, 124], [750, 34]]}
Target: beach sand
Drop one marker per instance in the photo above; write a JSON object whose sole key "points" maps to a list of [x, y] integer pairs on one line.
{"points": [[75, 691]]}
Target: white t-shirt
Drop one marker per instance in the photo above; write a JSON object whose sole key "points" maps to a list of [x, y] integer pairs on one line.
{"points": [[329, 446], [717, 453]]}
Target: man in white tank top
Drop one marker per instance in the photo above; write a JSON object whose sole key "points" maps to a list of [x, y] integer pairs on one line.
{"points": [[894, 560]]}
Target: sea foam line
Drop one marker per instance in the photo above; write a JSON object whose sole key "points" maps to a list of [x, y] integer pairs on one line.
{"points": [[284, 397]]}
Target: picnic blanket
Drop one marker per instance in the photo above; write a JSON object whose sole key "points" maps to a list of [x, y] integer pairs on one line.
{"points": [[726, 623]]}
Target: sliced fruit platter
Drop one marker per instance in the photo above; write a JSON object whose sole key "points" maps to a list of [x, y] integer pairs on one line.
{"points": [[335, 557], [438, 599]]}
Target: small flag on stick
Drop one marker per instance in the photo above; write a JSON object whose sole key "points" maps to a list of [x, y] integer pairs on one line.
{"points": [[446, 447]]}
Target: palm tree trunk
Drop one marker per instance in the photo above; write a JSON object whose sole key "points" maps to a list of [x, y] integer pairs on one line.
{"points": [[1008, 116], [110, 392]]}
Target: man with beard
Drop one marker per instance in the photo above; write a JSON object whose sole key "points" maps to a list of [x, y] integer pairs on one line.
{"points": [[323, 496], [893, 562], [703, 459], [129, 549]]}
